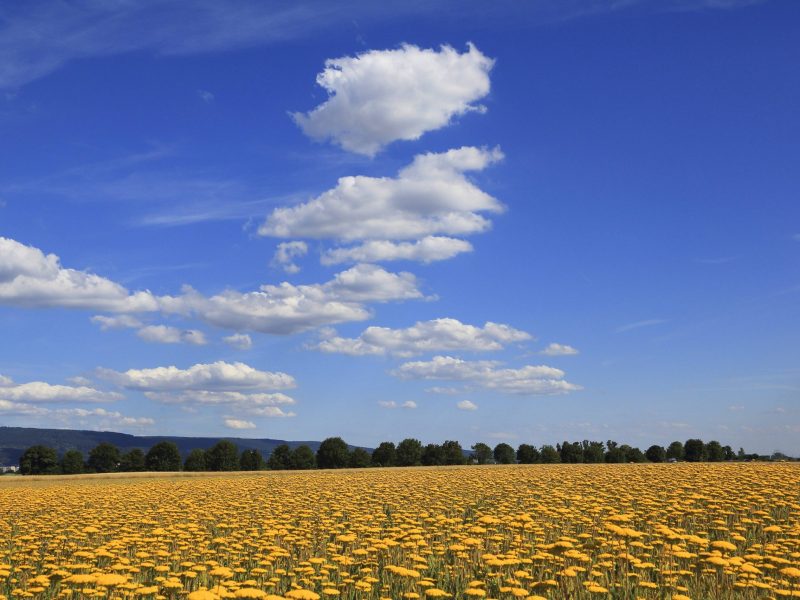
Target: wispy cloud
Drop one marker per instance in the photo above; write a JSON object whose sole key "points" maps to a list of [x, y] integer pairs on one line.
{"points": [[639, 324]]}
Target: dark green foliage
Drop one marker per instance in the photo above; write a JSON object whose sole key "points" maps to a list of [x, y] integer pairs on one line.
{"points": [[303, 458], [675, 450], [280, 459], [570, 452], [251, 460], [385, 455], [714, 451], [222, 456], [432, 455], [38, 460], [409, 453], [72, 462], [528, 455], [593, 452], [656, 454], [481, 453], [196, 461], [333, 454], [504, 454], [104, 458], [453, 453], [633, 455], [549, 454], [694, 450], [132, 460], [164, 456], [360, 458]]}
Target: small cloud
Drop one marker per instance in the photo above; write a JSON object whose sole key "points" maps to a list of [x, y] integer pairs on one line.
{"points": [[285, 255], [559, 350], [409, 404], [205, 96], [163, 334], [466, 405], [387, 404], [445, 391], [240, 341], [78, 380], [239, 424], [639, 324], [118, 322]]}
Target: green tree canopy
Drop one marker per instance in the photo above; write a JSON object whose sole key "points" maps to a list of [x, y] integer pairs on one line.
{"points": [[360, 459], [549, 454], [333, 454], [72, 462], [163, 456], [675, 450], [280, 459], [656, 454], [528, 454], [714, 451], [132, 460], [453, 453], [409, 453], [196, 461], [482, 453], [385, 455], [303, 458], [694, 450], [222, 456], [504, 454], [251, 460], [104, 458], [432, 455], [38, 460]]}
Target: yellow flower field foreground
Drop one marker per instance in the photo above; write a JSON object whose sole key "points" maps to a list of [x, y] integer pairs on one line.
{"points": [[539, 531]]}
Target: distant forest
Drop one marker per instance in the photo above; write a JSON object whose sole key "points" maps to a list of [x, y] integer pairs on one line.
{"points": [[335, 453]]}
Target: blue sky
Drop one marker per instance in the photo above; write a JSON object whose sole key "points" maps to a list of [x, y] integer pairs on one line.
{"points": [[521, 222]]}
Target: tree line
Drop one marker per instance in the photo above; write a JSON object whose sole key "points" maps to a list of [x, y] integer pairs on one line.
{"points": [[334, 453]]}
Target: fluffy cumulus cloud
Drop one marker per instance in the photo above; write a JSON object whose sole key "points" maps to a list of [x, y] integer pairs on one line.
{"points": [[232, 423], [240, 341], [428, 249], [218, 376], [116, 322], [381, 96], [408, 404], [33, 279], [555, 349], [430, 196], [42, 392], [425, 336], [164, 334], [466, 405], [286, 253], [490, 375]]}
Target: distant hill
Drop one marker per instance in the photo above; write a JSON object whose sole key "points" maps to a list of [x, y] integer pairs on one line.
{"points": [[14, 441]]}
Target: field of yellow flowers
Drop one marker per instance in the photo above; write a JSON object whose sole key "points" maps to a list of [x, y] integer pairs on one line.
{"points": [[539, 531]]}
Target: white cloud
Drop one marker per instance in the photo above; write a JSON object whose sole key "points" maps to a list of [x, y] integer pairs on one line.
{"points": [[430, 196], [97, 417], [240, 341], [117, 322], [105, 416], [527, 380], [428, 249], [205, 96], [444, 390], [218, 376], [425, 336], [213, 397], [555, 349], [32, 279], [409, 404], [466, 405], [286, 253], [239, 424], [164, 334], [381, 96], [42, 392], [79, 380]]}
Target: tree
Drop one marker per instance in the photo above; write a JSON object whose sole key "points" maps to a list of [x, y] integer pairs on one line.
{"points": [[38, 460], [482, 453], [132, 460], [675, 450], [549, 454], [504, 454], [163, 456], [409, 453], [196, 461], [571, 452], [656, 454], [614, 453], [222, 456], [632, 454], [360, 459], [729, 454], [432, 455], [694, 450], [104, 458], [453, 453], [333, 454], [593, 452], [714, 451], [303, 458], [280, 459], [385, 455], [72, 462], [527, 454], [251, 460]]}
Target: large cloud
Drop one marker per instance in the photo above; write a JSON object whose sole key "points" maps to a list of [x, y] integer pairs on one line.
{"points": [[42, 392], [425, 336], [430, 196], [32, 279], [527, 380], [218, 376], [385, 95], [428, 249]]}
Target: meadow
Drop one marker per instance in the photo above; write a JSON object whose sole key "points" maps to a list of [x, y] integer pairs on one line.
{"points": [[520, 531]]}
